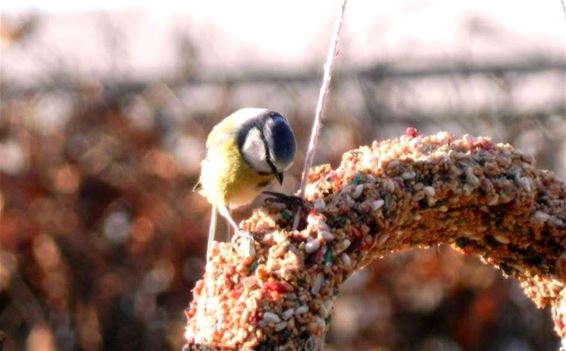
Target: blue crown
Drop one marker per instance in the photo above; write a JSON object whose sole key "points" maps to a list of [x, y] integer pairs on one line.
{"points": [[283, 139]]}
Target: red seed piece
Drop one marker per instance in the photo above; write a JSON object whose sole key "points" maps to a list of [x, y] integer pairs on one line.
{"points": [[275, 286], [411, 132]]}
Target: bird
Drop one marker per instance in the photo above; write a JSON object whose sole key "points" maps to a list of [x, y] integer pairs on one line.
{"points": [[245, 153]]}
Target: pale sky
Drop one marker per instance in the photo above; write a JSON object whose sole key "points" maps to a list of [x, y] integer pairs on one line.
{"points": [[535, 16], [288, 34]]}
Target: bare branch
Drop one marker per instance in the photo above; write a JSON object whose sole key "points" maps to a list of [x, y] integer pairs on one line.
{"points": [[376, 72]]}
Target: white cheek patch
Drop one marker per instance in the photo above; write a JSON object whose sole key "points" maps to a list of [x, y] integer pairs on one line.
{"points": [[253, 151]]}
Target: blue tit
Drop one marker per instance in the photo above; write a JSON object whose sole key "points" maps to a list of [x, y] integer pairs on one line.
{"points": [[245, 153]]}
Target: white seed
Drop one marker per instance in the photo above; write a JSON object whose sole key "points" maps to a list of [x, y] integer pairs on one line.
{"points": [[189, 335], [346, 189], [393, 164], [419, 196], [357, 191], [389, 185], [343, 245], [471, 177], [301, 309], [557, 222], [460, 155], [244, 243], [313, 220], [317, 285], [271, 318], [312, 245], [468, 234], [319, 204], [377, 204], [526, 183], [414, 142], [245, 315], [251, 304], [429, 191], [323, 226], [349, 201], [541, 216], [408, 175], [502, 239], [370, 161], [287, 314], [328, 236], [346, 261], [317, 222], [280, 326], [443, 137], [310, 190]]}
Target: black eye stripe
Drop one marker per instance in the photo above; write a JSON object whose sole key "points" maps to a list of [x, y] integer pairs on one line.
{"points": [[267, 155]]}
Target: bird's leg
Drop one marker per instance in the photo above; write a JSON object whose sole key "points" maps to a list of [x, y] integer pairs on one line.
{"points": [[211, 232], [229, 234], [223, 210], [289, 200], [246, 247]]}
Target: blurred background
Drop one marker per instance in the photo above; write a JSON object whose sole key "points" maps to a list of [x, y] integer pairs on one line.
{"points": [[105, 107]]}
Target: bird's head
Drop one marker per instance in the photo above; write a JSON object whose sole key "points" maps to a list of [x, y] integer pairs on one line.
{"points": [[266, 141]]}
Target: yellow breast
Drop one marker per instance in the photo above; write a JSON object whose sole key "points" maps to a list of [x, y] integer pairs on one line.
{"points": [[227, 179]]}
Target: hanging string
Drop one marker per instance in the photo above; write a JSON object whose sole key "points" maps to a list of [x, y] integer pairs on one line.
{"points": [[324, 89], [563, 8]]}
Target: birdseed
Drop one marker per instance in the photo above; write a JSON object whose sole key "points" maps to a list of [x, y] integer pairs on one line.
{"points": [[483, 198]]}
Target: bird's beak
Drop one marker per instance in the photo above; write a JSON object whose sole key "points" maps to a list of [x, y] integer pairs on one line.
{"points": [[279, 177]]}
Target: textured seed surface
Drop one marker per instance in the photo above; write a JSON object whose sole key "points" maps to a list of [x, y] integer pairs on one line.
{"points": [[493, 199]]}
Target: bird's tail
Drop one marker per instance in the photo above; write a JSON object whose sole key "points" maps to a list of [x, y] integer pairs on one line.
{"points": [[211, 231]]}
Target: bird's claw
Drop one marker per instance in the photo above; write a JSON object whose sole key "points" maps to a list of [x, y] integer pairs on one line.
{"points": [[289, 200]]}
